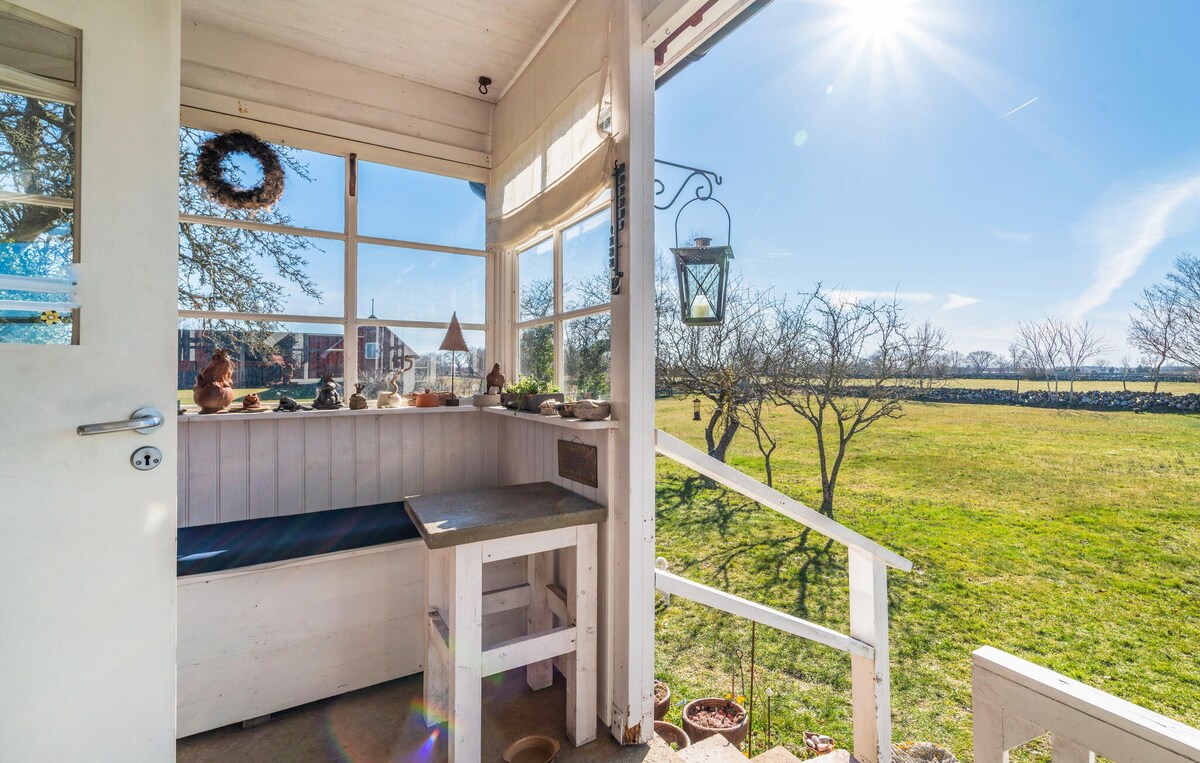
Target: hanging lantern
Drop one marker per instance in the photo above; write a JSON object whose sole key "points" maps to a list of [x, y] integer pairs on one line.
{"points": [[703, 272], [696, 409]]}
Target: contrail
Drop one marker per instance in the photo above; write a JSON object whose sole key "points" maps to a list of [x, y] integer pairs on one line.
{"points": [[1023, 105]]}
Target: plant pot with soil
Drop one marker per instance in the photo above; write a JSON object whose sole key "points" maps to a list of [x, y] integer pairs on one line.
{"points": [[706, 717], [662, 699], [672, 735]]}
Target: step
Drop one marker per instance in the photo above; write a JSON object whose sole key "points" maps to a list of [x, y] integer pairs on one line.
{"points": [[715, 749], [837, 756], [777, 755], [661, 752]]}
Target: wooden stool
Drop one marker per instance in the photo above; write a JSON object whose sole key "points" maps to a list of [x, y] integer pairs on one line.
{"points": [[485, 529]]}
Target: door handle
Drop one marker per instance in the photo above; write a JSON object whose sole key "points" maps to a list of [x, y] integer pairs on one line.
{"points": [[142, 421]]}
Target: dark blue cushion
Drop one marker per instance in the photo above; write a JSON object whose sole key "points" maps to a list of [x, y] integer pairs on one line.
{"points": [[211, 548]]}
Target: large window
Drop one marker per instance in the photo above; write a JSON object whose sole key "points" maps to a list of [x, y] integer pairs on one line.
{"points": [[563, 315], [286, 290], [39, 79]]}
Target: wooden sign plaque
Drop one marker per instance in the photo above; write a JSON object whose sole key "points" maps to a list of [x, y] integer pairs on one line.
{"points": [[577, 462]]}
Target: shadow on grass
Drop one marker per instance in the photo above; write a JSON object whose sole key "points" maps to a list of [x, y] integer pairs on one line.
{"points": [[796, 561]]}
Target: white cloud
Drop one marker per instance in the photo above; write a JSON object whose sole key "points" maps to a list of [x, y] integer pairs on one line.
{"points": [[957, 301], [1127, 227], [851, 296]]}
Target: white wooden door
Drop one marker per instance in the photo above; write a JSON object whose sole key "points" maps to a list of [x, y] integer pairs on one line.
{"points": [[87, 543]]}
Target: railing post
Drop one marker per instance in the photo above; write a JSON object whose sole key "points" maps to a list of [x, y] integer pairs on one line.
{"points": [[1063, 750], [870, 678], [989, 732]]}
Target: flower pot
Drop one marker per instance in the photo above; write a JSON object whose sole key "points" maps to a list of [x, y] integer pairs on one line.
{"points": [[533, 403], [661, 706], [511, 401], [698, 729], [672, 734]]}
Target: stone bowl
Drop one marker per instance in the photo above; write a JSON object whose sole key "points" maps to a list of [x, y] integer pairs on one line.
{"points": [[672, 734], [532, 749]]}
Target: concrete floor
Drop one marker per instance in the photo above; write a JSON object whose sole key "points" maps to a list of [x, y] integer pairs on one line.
{"points": [[383, 723]]}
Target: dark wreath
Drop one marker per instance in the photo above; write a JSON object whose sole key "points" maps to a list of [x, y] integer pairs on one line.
{"points": [[211, 174]]}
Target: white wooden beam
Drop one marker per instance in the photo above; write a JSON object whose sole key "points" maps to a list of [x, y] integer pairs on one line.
{"points": [[679, 451], [870, 677], [666, 17], [530, 543], [735, 605], [525, 650]]}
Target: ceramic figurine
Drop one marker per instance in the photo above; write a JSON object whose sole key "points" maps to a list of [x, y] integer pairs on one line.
{"points": [[213, 391], [357, 401], [428, 399], [495, 380], [328, 399], [392, 399], [251, 403], [288, 405]]}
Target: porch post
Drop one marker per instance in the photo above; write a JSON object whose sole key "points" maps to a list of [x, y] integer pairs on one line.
{"points": [[630, 529]]}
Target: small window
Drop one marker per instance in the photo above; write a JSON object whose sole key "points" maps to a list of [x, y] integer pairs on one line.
{"points": [[38, 181], [563, 313], [402, 204], [417, 285]]}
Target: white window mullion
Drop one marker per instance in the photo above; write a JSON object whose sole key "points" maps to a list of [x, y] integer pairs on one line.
{"points": [[350, 301], [557, 373]]}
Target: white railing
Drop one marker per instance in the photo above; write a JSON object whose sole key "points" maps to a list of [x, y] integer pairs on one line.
{"points": [[1016, 701], [867, 642]]}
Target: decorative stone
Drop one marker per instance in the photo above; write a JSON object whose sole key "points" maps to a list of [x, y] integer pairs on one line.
{"points": [[357, 401], [548, 408], [593, 410]]}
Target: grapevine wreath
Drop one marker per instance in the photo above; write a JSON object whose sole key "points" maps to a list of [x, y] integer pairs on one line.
{"points": [[211, 173]]}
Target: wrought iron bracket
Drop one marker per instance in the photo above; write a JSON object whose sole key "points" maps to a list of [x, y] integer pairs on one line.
{"points": [[619, 210], [706, 183]]}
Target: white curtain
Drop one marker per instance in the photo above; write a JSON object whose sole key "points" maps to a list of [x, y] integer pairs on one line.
{"points": [[550, 153]]}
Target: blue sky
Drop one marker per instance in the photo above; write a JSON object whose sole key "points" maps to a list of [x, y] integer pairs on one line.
{"points": [[864, 144]]}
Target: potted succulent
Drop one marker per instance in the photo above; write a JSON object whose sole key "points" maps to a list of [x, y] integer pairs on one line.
{"points": [[662, 699], [706, 717]]}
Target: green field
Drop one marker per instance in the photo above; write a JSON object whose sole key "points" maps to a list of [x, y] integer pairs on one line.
{"points": [[1068, 538]]}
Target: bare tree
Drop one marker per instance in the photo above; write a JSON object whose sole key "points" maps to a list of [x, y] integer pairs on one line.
{"points": [[837, 365], [923, 345], [1081, 342], [1155, 327], [979, 361], [1127, 371], [1041, 344], [721, 363], [1016, 361]]}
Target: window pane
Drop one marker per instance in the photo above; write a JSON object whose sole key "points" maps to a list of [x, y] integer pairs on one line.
{"points": [[417, 206], [416, 285], [37, 147], [586, 356], [380, 356], [36, 242], [586, 279], [536, 268], [270, 359], [251, 271], [314, 186], [35, 326], [537, 353]]}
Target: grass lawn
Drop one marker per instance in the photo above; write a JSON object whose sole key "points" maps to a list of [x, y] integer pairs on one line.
{"points": [[1068, 538]]}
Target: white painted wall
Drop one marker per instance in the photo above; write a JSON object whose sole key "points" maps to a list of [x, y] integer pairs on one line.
{"points": [[87, 544]]}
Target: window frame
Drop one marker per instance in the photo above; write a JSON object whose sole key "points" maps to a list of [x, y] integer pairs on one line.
{"points": [[351, 152], [558, 317], [36, 86]]}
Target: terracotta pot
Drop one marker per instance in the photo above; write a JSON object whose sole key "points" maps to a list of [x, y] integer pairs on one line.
{"points": [[212, 398], [672, 734], [736, 734], [427, 399], [661, 708]]}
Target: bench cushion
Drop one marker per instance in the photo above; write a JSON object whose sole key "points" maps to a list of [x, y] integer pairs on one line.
{"points": [[225, 546]]}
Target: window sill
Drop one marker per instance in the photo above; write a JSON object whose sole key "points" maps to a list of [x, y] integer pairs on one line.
{"points": [[273, 415], [554, 421]]}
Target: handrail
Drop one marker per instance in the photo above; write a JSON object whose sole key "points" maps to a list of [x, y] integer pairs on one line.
{"points": [[735, 605], [680, 451], [1016, 701]]}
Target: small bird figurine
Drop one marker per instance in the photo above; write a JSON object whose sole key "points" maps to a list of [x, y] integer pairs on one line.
{"points": [[495, 380]]}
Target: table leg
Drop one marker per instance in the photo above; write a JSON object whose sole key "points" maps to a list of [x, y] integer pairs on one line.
{"points": [[436, 679], [579, 569], [466, 653], [538, 618]]}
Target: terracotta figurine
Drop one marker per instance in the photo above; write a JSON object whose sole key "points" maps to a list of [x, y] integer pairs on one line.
{"points": [[495, 380], [328, 399], [288, 405], [213, 391], [357, 401], [251, 403]]}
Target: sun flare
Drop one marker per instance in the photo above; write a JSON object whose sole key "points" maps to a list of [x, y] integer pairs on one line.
{"points": [[875, 19]]}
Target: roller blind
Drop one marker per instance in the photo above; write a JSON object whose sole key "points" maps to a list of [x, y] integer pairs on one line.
{"points": [[551, 153]]}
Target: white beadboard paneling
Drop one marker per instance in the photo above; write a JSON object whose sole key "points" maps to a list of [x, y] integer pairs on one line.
{"points": [[289, 438], [316, 465], [263, 469], [233, 472], [203, 498], [342, 462], [390, 471]]}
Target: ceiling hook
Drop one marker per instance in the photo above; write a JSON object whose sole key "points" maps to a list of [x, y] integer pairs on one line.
{"points": [[483, 85]]}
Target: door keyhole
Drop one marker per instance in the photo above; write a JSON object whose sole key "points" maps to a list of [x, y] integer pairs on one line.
{"points": [[146, 458]]}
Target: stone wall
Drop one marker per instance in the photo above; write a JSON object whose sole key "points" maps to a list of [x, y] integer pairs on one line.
{"points": [[1160, 402]]}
